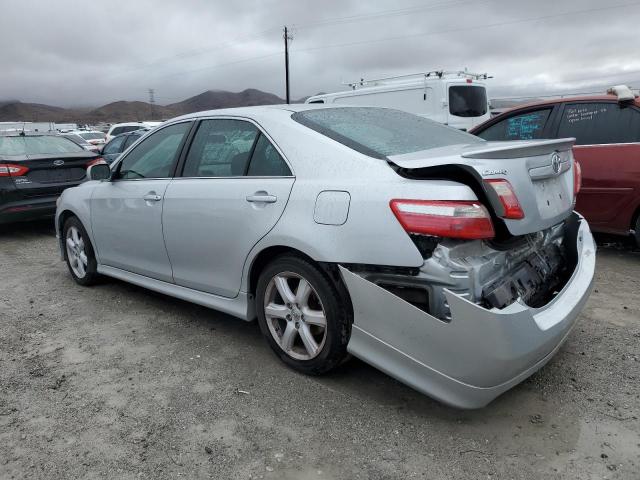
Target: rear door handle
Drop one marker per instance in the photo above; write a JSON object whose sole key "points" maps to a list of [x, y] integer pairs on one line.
{"points": [[152, 197], [262, 198]]}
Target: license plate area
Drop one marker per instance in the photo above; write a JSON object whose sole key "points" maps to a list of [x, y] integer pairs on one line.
{"points": [[551, 196]]}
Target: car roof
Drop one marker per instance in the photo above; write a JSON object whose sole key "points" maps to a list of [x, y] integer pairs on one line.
{"points": [[582, 98], [262, 109]]}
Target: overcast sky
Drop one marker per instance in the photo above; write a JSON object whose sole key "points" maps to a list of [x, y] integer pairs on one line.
{"points": [[87, 53]]}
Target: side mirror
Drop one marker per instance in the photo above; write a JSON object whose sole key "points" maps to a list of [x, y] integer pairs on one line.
{"points": [[99, 171]]}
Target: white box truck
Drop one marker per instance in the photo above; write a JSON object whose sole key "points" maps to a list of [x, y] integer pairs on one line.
{"points": [[455, 98]]}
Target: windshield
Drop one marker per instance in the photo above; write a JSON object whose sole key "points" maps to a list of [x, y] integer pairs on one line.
{"points": [[381, 132], [43, 145], [467, 101]]}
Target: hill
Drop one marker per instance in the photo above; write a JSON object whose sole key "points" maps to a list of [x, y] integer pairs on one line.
{"points": [[214, 99], [123, 111]]}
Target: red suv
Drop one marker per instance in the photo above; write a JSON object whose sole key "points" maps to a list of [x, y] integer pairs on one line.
{"points": [[607, 147]]}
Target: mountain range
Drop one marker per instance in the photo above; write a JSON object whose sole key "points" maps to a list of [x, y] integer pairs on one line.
{"points": [[123, 111]]}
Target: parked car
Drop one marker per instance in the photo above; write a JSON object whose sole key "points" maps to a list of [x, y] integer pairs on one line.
{"points": [[607, 133], [118, 128], [456, 98], [441, 259], [78, 140], [35, 169], [118, 144], [92, 136]]}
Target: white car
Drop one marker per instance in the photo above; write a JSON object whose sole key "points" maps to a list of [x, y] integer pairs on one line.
{"points": [[118, 128]]}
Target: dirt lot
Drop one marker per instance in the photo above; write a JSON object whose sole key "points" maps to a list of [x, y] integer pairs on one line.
{"points": [[118, 382]]}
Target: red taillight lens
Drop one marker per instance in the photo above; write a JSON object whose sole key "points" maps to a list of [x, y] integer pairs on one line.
{"points": [[12, 170], [95, 161], [577, 178], [507, 197], [443, 218]]}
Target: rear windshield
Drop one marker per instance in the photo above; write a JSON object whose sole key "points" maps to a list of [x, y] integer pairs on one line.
{"points": [[381, 132], [467, 101], [37, 145]]}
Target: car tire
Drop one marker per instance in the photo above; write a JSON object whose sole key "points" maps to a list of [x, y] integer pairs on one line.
{"points": [[78, 253], [292, 323]]}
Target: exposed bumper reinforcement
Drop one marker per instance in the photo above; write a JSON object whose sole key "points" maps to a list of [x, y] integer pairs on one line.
{"points": [[481, 353]]}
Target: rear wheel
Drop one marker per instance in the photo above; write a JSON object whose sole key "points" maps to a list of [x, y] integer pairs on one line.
{"points": [[79, 253], [302, 315]]}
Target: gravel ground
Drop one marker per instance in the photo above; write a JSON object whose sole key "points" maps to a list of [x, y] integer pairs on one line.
{"points": [[119, 382]]}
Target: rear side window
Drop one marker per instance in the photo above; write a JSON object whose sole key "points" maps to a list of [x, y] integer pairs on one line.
{"points": [[119, 130], [600, 123], [266, 161], [220, 148], [155, 157], [382, 132], [526, 126], [467, 101], [44, 145]]}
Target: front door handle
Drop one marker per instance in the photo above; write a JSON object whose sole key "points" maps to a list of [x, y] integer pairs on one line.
{"points": [[262, 198], [152, 197]]}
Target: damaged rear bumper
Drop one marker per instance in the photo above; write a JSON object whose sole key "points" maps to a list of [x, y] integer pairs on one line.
{"points": [[481, 352]]}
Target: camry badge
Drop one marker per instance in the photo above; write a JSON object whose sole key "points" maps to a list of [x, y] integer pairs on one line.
{"points": [[58, 163], [555, 162]]}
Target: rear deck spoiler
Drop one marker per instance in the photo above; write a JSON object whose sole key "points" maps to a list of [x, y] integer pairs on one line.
{"points": [[521, 149]]}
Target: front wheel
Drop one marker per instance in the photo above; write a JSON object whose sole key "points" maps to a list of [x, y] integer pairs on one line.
{"points": [[302, 315], [79, 253]]}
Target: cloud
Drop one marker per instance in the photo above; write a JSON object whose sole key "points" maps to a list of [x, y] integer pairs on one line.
{"points": [[78, 53]]}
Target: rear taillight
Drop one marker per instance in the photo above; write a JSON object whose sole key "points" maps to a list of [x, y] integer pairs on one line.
{"points": [[444, 218], [510, 204], [12, 170], [95, 161], [577, 178]]}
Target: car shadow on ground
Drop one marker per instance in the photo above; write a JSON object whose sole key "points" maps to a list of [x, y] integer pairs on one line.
{"points": [[27, 230]]}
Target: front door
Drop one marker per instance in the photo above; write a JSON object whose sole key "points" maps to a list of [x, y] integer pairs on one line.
{"points": [[233, 189], [126, 213]]}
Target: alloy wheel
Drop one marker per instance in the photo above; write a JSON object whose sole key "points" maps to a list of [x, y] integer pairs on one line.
{"points": [[77, 257], [295, 316]]}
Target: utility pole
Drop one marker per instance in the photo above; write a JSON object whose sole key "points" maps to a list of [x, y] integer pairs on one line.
{"points": [[152, 101], [287, 37]]}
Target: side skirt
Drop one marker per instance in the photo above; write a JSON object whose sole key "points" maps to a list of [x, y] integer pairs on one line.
{"points": [[239, 306]]}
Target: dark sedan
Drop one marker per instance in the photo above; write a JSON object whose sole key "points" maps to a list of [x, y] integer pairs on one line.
{"points": [[34, 170]]}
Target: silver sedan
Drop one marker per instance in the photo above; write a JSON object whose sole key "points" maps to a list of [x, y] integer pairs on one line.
{"points": [[453, 264]]}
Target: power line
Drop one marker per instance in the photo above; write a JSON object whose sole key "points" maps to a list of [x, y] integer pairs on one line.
{"points": [[477, 27]]}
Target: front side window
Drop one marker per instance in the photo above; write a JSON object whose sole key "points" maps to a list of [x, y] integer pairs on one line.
{"points": [[600, 123], [114, 146], [155, 157], [525, 126], [266, 161], [220, 148], [382, 132], [467, 101]]}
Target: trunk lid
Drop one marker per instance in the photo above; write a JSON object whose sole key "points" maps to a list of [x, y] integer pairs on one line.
{"points": [[50, 174], [540, 172]]}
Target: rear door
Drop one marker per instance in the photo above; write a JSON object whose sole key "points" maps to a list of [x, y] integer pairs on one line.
{"points": [[608, 150], [126, 212], [233, 189]]}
